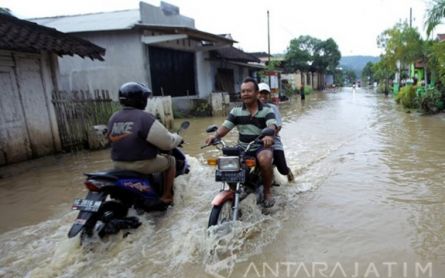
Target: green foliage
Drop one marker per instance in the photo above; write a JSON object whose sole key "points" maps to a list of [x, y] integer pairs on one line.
{"points": [[349, 76], [436, 60], [431, 101], [407, 97], [383, 70], [384, 86], [305, 53], [339, 78], [434, 15], [326, 56], [368, 71], [202, 108], [401, 43]]}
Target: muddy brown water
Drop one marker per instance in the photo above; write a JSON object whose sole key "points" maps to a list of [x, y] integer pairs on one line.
{"points": [[368, 201]]}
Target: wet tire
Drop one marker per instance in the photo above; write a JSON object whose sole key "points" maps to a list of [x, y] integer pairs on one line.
{"points": [[108, 211], [117, 209], [221, 214]]}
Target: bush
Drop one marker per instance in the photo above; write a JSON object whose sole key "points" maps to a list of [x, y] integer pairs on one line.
{"points": [[431, 101], [407, 97], [381, 88]]}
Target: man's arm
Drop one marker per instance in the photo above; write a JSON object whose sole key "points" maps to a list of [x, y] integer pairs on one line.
{"points": [[160, 137], [271, 122], [220, 133]]}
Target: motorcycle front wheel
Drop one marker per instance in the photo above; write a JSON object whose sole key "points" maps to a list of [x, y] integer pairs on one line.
{"points": [[221, 214]]}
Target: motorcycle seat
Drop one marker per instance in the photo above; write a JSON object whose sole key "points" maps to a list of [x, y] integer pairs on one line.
{"points": [[116, 174]]}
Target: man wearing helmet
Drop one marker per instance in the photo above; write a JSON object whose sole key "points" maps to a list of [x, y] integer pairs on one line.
{"points": [[137, 139]]}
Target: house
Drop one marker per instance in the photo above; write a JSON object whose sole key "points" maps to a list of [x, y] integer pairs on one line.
{"points": [[311, 79], [154, 45], [232, 66], [28, 76]]}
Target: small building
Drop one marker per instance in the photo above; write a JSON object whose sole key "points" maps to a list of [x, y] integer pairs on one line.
{"points": [[154, 45], [29, 73], [232, 66]]}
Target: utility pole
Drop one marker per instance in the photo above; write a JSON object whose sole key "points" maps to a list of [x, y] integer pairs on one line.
{"points": [[410, 17]]}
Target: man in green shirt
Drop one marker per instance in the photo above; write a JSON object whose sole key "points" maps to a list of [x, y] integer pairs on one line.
{"points": [[250, 119]]}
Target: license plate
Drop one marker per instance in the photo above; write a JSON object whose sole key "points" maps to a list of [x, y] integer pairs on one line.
{"points": [[230, 176], [86, 205]]}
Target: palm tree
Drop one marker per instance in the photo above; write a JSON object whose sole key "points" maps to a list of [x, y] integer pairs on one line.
{"points": [[434, 15]]}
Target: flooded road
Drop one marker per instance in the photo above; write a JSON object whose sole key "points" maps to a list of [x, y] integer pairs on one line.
{"points": [[368, 201]]}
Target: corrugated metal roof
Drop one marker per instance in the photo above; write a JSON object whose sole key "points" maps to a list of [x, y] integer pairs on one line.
{"points": [[22, 35], [107, 21], [191, 32], [234, 54]]}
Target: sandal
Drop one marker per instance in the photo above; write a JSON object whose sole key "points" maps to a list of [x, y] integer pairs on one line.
{"points": [[268, 202]]}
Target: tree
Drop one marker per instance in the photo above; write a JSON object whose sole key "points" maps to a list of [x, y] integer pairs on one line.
{"points": [[306, 53], [401, 43], [326, 56], [299, 53], [349, 75], [368, 72], [434, 15], [383, 72]]}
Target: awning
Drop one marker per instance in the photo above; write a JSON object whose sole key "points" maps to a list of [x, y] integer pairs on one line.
{"points": [[169, 33], [22, 35]]}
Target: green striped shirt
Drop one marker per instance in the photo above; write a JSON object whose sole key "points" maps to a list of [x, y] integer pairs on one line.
{"points": [[250, 126]]}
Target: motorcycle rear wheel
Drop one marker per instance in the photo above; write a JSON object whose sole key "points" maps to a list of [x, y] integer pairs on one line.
{"points": [[221, 214], [110, 210]]}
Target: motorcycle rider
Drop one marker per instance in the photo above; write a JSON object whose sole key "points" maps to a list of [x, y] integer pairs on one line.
{"points": [[250, 119], [278, 152], [137, 138]]}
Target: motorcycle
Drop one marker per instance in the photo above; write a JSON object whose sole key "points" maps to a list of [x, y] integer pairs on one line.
{"points": [[239, 178], [112, 193]]}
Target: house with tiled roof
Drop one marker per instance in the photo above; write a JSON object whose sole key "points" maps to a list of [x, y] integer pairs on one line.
{"points": [[28, 76], [153, 45]]}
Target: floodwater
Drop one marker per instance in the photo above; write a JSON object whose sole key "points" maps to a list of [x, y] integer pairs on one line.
{"points": [[368, 201]]}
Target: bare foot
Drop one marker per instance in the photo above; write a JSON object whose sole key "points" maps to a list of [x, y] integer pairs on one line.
{"points": [[269, 201], [166, 200]]}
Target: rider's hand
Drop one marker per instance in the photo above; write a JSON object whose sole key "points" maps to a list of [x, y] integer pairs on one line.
{"points": [[210, 139], [267, 141]]}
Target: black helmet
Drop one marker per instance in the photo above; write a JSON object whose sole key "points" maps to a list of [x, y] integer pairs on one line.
{"points": [[134, 95]]}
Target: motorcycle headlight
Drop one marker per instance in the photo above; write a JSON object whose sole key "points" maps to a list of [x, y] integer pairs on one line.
{"points": [[228, 163]]}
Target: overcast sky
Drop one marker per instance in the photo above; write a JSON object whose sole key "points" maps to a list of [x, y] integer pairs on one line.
{"points": [[353, 24]]}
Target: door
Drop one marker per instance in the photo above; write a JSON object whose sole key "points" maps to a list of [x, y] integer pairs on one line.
{"points": [[35, 104], [14, 143], [225, 81], [172, 72]]}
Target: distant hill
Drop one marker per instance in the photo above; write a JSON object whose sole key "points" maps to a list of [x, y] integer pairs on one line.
{"points": [[356, 63]]}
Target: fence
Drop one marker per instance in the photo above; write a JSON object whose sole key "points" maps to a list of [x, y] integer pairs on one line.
{"points": [[77, 112]]}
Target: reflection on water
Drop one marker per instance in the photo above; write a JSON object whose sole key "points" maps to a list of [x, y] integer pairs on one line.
{"points": [[368, 189]]}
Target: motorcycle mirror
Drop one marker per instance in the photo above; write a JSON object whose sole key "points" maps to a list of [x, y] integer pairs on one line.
{"points": [[185, 124], [211, 128], [267, 132]]}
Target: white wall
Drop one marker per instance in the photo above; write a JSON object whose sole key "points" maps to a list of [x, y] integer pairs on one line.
{"points": [[125, 60], [205, 74]]}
